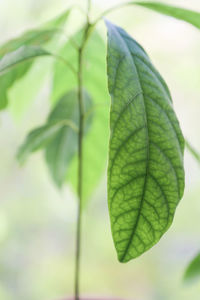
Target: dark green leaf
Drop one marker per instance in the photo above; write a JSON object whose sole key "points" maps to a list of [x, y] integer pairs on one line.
{"points": [[24, 53], [193, 270], [145, 171], [186, 15], [95, 148]]}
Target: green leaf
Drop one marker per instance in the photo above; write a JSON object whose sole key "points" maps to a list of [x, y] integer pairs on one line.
{"points": [[186, 15], [63, 147], [193, 151], [59, 136], [145, 171], [35, 37], [20, 55], [95, 149], [37, 139], [193, 270]]}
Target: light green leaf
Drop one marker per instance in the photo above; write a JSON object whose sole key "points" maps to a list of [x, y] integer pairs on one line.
{"points": [[145, 171], [63, 147], [193, 270], [24, 53], [59, 136], [186, 15], [193, 151], [37, 139], [94, 77], [35, 37]]}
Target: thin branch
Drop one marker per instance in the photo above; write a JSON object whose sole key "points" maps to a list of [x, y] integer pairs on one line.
{"points": [[193, 151], [67, 63]]}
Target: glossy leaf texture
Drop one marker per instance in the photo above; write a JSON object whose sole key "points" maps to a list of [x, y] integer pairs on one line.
{"points": [[59, 136], [22, 54], [145, 171], [94, 80], [193, 270], [187, 15], [37, 37]]}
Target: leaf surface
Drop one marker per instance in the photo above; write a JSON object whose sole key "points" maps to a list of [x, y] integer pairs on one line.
{"points": [[193, 270], [186, 15], [145, 170]]}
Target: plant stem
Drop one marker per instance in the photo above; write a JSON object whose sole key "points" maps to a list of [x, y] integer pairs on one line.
{"points": [[80, 158]]}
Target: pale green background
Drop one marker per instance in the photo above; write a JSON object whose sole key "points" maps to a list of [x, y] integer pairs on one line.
{"points": [[37, 221]]}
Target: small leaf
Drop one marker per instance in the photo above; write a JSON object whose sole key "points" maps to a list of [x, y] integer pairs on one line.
{"points": [[59, 136], [193, 270], [20, 55], [145, 171], [37, 139], [186, 15], [95, 149], [63, 147]]}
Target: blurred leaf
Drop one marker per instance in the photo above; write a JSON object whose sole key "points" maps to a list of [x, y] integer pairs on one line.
{"points": [[38, 139], [63, 147], [193, 270], [59, 136], [96, 141], [186, 15], [145, 170], [22, 54], [36, 37]]}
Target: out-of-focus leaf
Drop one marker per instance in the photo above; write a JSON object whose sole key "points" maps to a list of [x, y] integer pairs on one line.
{"points": [[63, 147], [59, 136], [193, 151], [35, 37], [193, 270], [145, 170], [22, 54], [96, 141], [187, 15], [37, 139]]}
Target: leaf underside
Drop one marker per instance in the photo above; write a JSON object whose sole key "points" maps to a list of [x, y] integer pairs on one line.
{"points": [[145, 170]]}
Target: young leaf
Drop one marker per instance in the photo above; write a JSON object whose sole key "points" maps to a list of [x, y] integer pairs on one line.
{"points": [[59, 136], [63, 147], [95, 149], [20, 55], [193, 270], [186, 15], [145, 171], [38, 139], [35, 37]]}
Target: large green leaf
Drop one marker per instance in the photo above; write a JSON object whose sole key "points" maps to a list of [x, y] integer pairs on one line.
{"points": [[35, 37], [193, 270], [186, 15], [22, 54], [94, 77], [145, 171]]}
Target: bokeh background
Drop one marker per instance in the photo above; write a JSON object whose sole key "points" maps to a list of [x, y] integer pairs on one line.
{"points": [[37, 222]]}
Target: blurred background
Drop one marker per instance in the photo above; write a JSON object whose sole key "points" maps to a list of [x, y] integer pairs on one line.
{"points": [[37, 222]]}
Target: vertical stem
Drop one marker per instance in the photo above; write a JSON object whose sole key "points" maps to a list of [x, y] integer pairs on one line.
{"points": [[80, 171], [80, 158]]}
